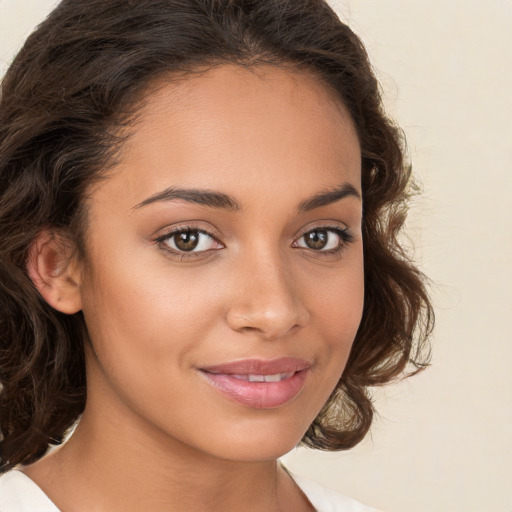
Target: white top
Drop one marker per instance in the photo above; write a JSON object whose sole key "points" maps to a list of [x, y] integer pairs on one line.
{"points": [[18, 493]]}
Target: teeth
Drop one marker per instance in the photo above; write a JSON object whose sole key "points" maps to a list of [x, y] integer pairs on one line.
{"points": [[274, 378], [257, 378], [263, 378], [269, 378], [252, 377]]}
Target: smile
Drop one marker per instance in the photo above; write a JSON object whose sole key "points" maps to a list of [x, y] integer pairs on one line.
{"points": [[264, 378], [257, 383]]}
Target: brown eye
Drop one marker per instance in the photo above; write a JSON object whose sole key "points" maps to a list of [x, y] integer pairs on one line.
{"points": [[316, 239], [324, 239], [186, 240], [189, 240]]}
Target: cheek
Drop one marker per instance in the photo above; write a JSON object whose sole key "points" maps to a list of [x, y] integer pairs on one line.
{"points": [[339, 305], [139, 314], [142, 333], [338, 316]]}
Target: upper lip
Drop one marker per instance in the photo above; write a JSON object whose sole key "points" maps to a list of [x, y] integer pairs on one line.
{"points": [[259, 366]]}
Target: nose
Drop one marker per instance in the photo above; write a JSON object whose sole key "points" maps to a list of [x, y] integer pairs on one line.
{"points": [[266, 300]]}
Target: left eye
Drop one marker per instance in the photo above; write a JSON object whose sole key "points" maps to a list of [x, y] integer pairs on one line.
{"points": [[323, 239], [190, 240]]}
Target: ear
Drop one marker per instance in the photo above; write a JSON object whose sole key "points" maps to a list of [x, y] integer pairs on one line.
{"points": [[55, 273]]}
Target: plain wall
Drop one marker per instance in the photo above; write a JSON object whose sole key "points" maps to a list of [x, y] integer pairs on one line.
{"points": [[442, 441]]}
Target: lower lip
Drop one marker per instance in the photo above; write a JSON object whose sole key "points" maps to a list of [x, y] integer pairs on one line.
{"points": [[260, 395]]}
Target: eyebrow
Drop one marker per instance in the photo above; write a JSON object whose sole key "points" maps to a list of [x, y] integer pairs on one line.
{"points": [[215, 199], [327, 197], [200, 196]]}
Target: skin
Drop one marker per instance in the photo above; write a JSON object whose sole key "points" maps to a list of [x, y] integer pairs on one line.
{"points": [[155, 434]]}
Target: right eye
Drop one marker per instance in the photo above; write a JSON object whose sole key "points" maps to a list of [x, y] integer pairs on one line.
{"points": [[189, 240]]}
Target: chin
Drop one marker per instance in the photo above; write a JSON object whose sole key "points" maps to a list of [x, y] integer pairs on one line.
{"points": [[257, 443], [257, 451]]}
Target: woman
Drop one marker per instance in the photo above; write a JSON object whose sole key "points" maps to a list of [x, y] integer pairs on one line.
{"points": [[199, 210]]}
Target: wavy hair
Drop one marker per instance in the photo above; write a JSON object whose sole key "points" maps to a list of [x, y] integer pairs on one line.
{"points": [[76, 81]]}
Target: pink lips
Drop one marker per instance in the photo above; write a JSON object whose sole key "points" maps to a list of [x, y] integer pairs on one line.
{"points": [[263, 384]]}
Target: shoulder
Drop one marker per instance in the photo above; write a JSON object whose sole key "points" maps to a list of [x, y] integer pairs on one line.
{"points": [[18, 493], [328, 500]]}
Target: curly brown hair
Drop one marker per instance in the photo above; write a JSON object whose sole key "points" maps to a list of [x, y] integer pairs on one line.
{"points": [[75, 82]]}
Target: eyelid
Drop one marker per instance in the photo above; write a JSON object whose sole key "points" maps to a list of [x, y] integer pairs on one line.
{"points": [[318, 226], [343, 232], [170, 232]]}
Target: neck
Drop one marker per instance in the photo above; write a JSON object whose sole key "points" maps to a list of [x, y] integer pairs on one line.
{"points": [[117, 460], [127, 470]]}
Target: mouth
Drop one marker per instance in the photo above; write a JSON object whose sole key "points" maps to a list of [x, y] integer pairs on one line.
{"points": [[278, 377], [261, 384]]}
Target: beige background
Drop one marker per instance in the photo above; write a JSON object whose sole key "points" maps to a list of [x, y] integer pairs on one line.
{"points": [[443, 440]]}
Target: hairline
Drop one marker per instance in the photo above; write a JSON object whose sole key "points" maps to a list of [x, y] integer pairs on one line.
{"points": [[124, 126]]}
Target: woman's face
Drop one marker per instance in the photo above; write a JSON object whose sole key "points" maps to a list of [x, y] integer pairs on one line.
{"points": [[223, 281]]}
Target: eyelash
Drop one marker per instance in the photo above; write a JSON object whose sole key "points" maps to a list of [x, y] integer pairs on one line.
{"points": [[343, 233], [184, 255]]}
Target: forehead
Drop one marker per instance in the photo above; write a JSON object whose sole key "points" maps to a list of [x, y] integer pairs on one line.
{"points": [[235, 123], [244, 95]]}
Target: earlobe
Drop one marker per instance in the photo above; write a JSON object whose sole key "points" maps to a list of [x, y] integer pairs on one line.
{"points": [[54, 272]]}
